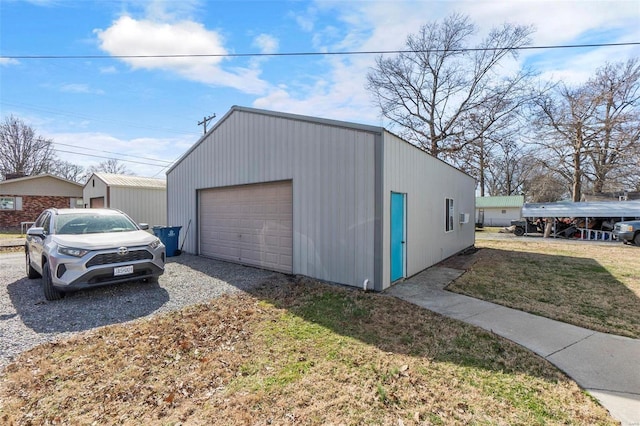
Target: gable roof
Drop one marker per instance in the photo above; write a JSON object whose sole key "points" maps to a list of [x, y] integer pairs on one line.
{"points": [[32, 177], [500, 201], [128, 181], [41, 185], [309, 119], [305, 118]]}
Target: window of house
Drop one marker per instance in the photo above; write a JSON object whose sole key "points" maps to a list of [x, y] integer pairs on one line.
{"points": [[7, 203], [448, 204], [504, 212]]}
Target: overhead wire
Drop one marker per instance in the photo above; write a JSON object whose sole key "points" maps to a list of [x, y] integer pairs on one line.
{"points": [[346, 53]]}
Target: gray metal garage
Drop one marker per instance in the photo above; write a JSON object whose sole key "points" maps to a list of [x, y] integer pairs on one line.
{"points": [[338, 201]]}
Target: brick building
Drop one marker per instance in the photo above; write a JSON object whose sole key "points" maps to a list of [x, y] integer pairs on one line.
{"points": [[23, 199]]}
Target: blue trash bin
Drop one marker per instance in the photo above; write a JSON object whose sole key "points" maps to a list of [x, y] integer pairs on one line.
{"points": [[169, 235]]}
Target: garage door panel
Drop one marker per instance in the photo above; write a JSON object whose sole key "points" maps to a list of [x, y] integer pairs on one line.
{"points": [[250, 224]]}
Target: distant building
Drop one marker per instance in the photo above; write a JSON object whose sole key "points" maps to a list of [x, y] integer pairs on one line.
{"points": [[23, 198], [143, 199], [498, 211]]}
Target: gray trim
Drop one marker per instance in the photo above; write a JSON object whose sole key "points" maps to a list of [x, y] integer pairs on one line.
{"points": [[378, 226], [305, 118]]}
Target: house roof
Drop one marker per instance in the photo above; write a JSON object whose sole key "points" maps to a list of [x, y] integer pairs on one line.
{"points": [[500, 201], [41, 185], [130, 181], [45, 175], [627, 209]]}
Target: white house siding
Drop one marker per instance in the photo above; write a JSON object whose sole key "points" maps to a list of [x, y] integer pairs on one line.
{"points": [[427, 182], [143, 205], [94, 188], [493, 216], [332, 172]]}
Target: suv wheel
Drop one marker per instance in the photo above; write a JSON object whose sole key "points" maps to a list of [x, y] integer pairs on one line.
{"points": [[50, 292], [31, 273], [636, 239]]}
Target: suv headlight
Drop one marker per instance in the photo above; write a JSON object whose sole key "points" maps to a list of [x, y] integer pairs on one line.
{"points": [[154, 244], [75, 252], [626, 228]]}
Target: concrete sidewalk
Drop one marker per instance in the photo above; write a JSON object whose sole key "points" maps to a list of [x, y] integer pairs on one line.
{"points": [[605, 365]]}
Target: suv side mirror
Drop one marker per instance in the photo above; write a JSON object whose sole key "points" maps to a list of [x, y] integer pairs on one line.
{"points": [[36, 232], [143, 226]]}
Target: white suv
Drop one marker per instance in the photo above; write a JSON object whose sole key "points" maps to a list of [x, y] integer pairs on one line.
{"points": [[74, 249]]}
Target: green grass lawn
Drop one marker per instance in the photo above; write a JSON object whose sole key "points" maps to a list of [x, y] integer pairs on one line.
{"points": [[294, 351], [587, 284]]}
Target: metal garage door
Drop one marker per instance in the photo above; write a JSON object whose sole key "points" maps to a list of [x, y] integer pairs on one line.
{"points": [[249, 224]]}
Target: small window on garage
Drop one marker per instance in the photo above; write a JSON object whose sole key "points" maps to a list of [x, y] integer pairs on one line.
{"points": [[504, 212], [448, 214], [7, 203]]}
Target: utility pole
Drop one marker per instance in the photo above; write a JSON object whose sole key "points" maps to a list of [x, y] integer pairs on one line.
{"points": [[205, 120]]}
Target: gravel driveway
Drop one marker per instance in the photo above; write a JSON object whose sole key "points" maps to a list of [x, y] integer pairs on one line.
{"points": [[27, 319]]}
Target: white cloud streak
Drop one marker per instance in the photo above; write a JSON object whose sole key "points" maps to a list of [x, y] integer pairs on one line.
{"points": [[130, 37]]}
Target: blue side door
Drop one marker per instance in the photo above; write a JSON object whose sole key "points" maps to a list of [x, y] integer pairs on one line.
{"points": [[397, 235]]}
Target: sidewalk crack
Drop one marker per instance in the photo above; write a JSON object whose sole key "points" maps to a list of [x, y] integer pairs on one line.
{"points": [[571, 344]]}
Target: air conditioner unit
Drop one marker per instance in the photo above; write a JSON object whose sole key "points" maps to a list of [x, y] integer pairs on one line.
{"points": [[464, 217]]}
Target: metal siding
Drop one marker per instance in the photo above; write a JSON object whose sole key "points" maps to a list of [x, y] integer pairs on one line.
{"points": [[99, 190], [332, 173], [249, 224], [494, 216], [427, 182], [142, 205]]}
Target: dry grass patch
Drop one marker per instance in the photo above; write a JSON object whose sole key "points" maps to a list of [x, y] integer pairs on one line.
{"points": [[295, 352], [594, 286]]}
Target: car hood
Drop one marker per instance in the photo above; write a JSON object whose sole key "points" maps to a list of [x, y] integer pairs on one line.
{"points": [[105, 240]]}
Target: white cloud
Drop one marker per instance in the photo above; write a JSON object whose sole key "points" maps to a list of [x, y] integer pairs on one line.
{"points": [[373, 26], [266, 43], [8, 61], [131, 37], [80, 88], [140, 152]]}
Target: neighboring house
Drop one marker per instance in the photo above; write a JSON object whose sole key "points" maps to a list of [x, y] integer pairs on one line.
{"points": [[499, 211], [23, 199], [143, 199], [341, 202]]}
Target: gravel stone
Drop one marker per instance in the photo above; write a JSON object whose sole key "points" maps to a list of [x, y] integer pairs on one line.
{"points": [[27, 319]]}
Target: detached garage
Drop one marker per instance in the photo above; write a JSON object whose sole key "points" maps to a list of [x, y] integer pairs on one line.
{"points": [[143, 199], [337, 201]]}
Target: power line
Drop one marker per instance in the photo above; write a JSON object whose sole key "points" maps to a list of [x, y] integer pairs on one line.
{"points": [[166, 163], [87, 117], [347, 53], [112, 158]]}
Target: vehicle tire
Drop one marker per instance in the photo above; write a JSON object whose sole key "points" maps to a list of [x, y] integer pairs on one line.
{"points": [[636, 239], [31, 273], [152, 280], [519, 231], [50, 292]]}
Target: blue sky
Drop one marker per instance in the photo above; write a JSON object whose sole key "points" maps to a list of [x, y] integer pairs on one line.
{"points": [[149, 108]]}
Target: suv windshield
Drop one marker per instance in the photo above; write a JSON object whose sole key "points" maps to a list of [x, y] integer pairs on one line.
{"points": [[87, 223]]}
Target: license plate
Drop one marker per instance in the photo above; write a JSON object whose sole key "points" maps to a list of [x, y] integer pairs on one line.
{"points": [[123, 270]]}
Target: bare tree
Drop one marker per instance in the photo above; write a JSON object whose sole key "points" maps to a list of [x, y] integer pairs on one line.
{"points": [[22, 152], [431, 90], [566, 130], [591, 133], [68, 171], [112, 165], [616, 146], [542, 185]]}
